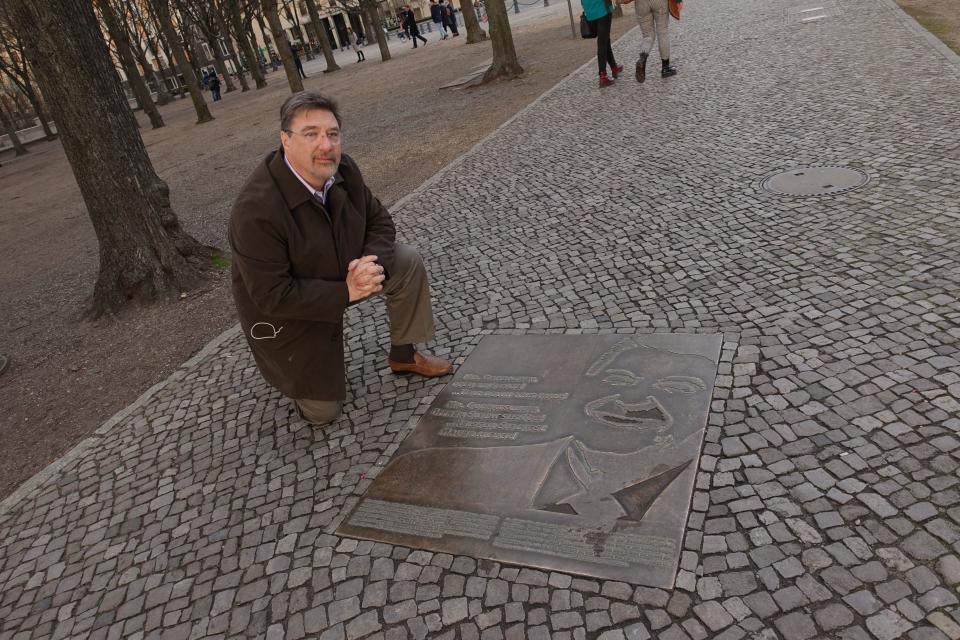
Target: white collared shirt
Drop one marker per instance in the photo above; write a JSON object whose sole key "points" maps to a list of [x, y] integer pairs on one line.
{"points": [[320, 194]]}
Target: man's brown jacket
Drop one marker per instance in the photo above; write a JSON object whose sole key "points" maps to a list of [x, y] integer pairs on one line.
{"points": [[290, 257]]}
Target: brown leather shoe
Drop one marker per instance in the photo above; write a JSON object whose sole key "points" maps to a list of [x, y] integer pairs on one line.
{"points": [[423, 364]]}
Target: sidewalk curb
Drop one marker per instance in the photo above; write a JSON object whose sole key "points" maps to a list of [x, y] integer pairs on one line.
{"points": [[932, 41], [88, 443]]}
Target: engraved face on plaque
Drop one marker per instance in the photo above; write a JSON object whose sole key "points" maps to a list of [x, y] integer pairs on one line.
{"points": [[570, 453]]}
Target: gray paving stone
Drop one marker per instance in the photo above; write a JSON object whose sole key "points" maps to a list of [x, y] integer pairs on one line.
{"points": [[936, 598], [922, 546], [713, 615], [796, 626], [738, 583], [833, 616], [887, 625], [863, 602], [363, 626], [830, 457]]}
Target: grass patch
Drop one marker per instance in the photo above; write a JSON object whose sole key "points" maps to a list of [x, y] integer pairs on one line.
{"points": [[933, 20], [220, 261]]}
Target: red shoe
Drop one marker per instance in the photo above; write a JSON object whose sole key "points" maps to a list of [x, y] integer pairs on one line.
{"points": [[605, 81], [616, 69]]}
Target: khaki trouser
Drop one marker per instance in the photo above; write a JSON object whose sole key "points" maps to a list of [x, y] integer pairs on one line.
{"points": [[411, 320], [650, 12]]}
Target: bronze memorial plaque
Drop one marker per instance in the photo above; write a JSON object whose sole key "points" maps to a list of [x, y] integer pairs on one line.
{"points": [[567, 453]]}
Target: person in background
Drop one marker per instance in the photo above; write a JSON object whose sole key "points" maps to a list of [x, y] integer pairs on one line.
{"points": [[356, 44], [297, 62], [437, 15], [600, 15], [410, 20], [213, 82], [650, 13], [450, 16]]}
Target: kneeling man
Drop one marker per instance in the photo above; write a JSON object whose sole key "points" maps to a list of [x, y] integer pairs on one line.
{"points": [[309, 239]]}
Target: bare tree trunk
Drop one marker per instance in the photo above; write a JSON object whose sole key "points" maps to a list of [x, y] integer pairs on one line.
{"points": [[263, 33], [241, 76], [144, 253], [23, 110], [163, 94], [322, 36], [119, 36], [183, 65], [282, 45], [474, 32], [140, 42], [38, 109], [253, 60], [219, 64], [505, 64], [167, 53], [225, 30], [367, 23], [11, 131], [371, 16]]}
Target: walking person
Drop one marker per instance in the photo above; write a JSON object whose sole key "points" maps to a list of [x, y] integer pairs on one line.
{"points": [[356, 43], [650, 13], [296, 61], [411, 21], [437, 15], [449, 13], [600, 15], [213, 82]]}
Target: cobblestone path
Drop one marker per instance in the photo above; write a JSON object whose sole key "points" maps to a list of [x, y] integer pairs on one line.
{"points": [[828, 501]]}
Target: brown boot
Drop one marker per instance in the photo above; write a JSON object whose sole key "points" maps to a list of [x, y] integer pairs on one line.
{"points": [[642, 68]]}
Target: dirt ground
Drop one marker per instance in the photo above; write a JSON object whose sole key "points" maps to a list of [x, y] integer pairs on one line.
{"points": [[939, 17], [68, 376]]}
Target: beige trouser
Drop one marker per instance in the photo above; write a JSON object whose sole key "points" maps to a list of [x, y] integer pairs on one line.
{"points": [[648, 13], [411, 319]]}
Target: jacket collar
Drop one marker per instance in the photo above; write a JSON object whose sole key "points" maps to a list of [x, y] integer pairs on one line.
{"points": [[292, 190]]}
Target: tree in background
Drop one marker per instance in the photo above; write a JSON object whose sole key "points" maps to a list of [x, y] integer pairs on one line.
{"points": [[474, 32], [272, 13], [14, 67], [505, 64], [161, 9], [144, 253]]}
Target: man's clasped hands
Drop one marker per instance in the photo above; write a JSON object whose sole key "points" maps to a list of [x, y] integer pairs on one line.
{"points": [[364, 278]]}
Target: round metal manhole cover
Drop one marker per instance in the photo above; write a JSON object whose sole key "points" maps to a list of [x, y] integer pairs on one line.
{"points": [[815, 181]]}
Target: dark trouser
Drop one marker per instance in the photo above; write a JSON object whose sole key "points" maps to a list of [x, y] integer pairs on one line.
{"points": [[411, 320], [415, 35], [216, 94], [453, 27], [604, 50]]}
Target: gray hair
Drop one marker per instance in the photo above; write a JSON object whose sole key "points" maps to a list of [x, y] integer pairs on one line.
{"points": [[306, 101]]}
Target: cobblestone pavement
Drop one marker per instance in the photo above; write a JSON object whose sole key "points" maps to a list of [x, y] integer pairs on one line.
{"points": [[828, 501]]}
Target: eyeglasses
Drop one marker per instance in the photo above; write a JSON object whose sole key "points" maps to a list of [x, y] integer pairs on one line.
{"points": [[314, 136]]}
